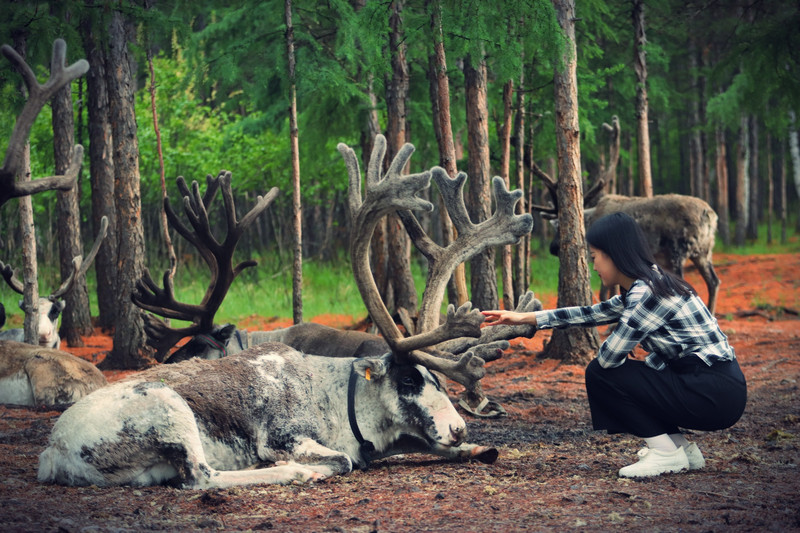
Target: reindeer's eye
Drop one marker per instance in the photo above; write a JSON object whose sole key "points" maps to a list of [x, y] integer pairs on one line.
{"points": [[408, 381]]}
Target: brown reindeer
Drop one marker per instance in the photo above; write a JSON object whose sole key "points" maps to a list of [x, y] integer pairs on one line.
{"points": [[677, 227]]}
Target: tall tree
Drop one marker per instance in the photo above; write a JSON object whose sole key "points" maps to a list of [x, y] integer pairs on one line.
{"points": [[297, 218], [642, 126], [483, 277], [402, 283], [521, 259], [30, 271], [130, 349], [754, 204], [572, 344], [101, 169], [76, 317], [742, 180], [723, 209], [443, 129], [509, 297]]}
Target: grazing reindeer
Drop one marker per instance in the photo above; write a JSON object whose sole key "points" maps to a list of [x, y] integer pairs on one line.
{"points": [[677, 227], [212, 342], [203, 424]]}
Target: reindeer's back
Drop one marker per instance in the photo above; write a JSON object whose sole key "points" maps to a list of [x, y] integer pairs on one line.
{"points": [[675, 224], [53, 377]]}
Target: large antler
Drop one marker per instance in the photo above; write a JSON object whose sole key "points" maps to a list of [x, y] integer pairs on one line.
{"points": [[590, 197], [38, 95], [79, 268], [394, 192], [502, 228], [217, 255]]}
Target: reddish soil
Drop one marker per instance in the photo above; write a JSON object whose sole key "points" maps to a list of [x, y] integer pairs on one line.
{"points": [[553, 473]]}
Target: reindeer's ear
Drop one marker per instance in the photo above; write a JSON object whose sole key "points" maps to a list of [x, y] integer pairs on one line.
{"points": [[370, 368]]}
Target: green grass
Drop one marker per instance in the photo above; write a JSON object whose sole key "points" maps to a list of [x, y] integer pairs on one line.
{"points": [[329, 288], [760, 245]]}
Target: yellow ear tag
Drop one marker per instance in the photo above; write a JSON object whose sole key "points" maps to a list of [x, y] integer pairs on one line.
{"points": [[367, 374]]}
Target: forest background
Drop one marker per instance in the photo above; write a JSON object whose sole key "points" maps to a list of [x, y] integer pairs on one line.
{"points": [[722, 94]]}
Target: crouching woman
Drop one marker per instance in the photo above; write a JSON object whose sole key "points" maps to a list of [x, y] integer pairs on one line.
{"points": [[690, 379]]}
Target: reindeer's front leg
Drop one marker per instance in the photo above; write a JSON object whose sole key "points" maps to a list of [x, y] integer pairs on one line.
{"points": [[306, 461]]}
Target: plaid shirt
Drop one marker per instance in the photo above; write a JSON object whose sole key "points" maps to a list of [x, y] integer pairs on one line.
{"points": [[669, 328]]}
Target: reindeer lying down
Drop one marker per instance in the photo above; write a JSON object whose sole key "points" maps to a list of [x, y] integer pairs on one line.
{"points": [[208, 424], [35, 375]]}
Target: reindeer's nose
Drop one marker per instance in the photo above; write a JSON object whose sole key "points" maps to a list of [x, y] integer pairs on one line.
{"points": [[458, 433]]}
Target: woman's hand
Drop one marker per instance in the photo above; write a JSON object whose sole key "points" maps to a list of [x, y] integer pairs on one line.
{"points": [[497, 317]]}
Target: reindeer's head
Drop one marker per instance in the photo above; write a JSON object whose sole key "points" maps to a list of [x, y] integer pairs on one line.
{"points": [[49, 313], [210, 345], [416, 407]]}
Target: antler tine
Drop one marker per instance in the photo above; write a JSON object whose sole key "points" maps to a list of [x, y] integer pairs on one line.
{"points": [[163, 337], [383, 194], [595, 191], [79, 265], [503, 227], [38, 95], [11, 278]]}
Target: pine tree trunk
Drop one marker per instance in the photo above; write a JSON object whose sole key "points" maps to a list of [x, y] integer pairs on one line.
{"points": [[297, 212], [130, 350], [574, 345], [30, 270], [782, 194], [521, 278], [794, 150], [483, 277], [443, 129], [742, 181], [770, 188], [505, 171], [643, 129], [754, 203], [399, 245], [723, 210], [76, 318], [101, 172], [696, 139]]}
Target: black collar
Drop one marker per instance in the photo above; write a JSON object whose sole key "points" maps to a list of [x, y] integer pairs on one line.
{"points": [[366, 448]]}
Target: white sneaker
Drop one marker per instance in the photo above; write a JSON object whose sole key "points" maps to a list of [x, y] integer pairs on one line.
{"points": [[655, 462], [695, 457]]}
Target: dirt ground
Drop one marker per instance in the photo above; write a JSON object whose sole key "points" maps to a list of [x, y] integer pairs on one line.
{"points": [[554, 473]]}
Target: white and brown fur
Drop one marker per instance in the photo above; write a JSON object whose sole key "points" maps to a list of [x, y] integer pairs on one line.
{"points": [[38, 376], [214, 423]]}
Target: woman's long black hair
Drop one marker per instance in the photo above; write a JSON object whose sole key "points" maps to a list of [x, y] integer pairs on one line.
{"points": [[621, 238]]}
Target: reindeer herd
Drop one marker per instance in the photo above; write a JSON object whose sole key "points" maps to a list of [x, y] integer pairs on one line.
{"points": [[293, 405]]}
